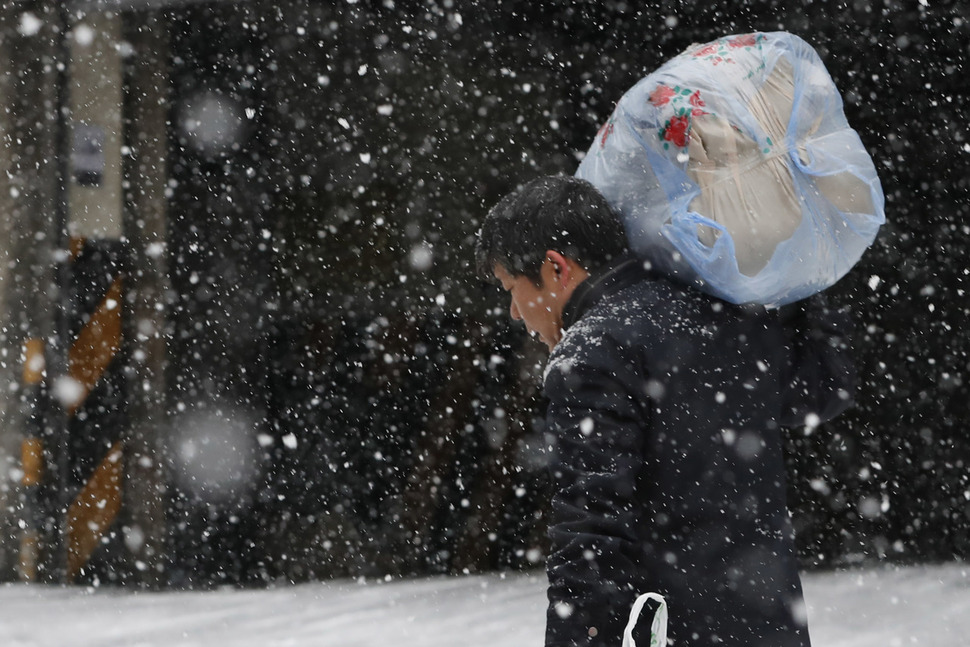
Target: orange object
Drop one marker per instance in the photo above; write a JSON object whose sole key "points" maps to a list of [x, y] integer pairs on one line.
{"points": [[32, 461], [97, 344], [93, 511]]}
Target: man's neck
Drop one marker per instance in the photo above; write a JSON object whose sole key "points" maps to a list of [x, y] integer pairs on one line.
{"points": [[621, 272]]}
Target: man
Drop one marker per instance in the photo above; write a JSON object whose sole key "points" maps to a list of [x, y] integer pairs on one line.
{"points": [[666, 405]]}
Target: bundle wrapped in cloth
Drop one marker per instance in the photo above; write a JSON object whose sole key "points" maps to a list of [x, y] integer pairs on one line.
{"points": [[734, 169]]}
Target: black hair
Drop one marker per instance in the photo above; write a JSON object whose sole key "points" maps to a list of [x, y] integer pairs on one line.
{"points": [[557, 212]]}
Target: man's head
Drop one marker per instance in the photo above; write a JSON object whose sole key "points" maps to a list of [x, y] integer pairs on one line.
{"points": [[544, 239]]}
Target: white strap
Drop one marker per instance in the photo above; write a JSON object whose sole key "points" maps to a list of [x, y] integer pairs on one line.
{"points": [[658, 630]]}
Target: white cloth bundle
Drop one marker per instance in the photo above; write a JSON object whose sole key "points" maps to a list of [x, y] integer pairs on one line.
{"points": [[734, 168]]}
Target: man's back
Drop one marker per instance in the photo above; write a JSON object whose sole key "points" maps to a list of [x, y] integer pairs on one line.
{"points": [[667, 405]]}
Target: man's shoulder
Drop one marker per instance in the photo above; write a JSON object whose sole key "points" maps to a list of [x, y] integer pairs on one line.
{"points": [[633, 314], [649, 305], [648, 314]]}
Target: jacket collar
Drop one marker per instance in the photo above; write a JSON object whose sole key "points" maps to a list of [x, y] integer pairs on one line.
{"points": [[624, 271]]}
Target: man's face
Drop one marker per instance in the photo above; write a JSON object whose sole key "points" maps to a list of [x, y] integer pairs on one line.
{"points": [[540, 308]]}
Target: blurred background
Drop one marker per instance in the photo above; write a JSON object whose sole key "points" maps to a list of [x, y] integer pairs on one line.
{"points": [[241, 336]]}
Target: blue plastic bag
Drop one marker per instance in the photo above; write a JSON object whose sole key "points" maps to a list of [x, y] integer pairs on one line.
{"points": [[734, 169]]}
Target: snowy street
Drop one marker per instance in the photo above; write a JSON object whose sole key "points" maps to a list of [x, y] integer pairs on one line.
{"points": [[885, 607]]}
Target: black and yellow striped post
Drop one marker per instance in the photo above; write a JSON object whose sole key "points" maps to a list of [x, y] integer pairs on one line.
{"points": [[92, 398], [86, 375]]}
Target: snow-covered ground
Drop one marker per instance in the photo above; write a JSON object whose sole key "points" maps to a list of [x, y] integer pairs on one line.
{"points": [[883, 607]]}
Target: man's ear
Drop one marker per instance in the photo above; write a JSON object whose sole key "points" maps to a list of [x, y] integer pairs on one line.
{"points": [[562, 268]]}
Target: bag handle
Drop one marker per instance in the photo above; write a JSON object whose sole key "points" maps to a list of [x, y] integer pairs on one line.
{"points": [[658, 630]]}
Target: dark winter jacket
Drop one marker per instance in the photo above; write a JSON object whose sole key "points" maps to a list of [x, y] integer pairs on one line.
{"points": [[666, 406]]}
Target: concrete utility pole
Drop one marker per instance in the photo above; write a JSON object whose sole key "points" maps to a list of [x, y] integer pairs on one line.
{"points": [[71, 286]]}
